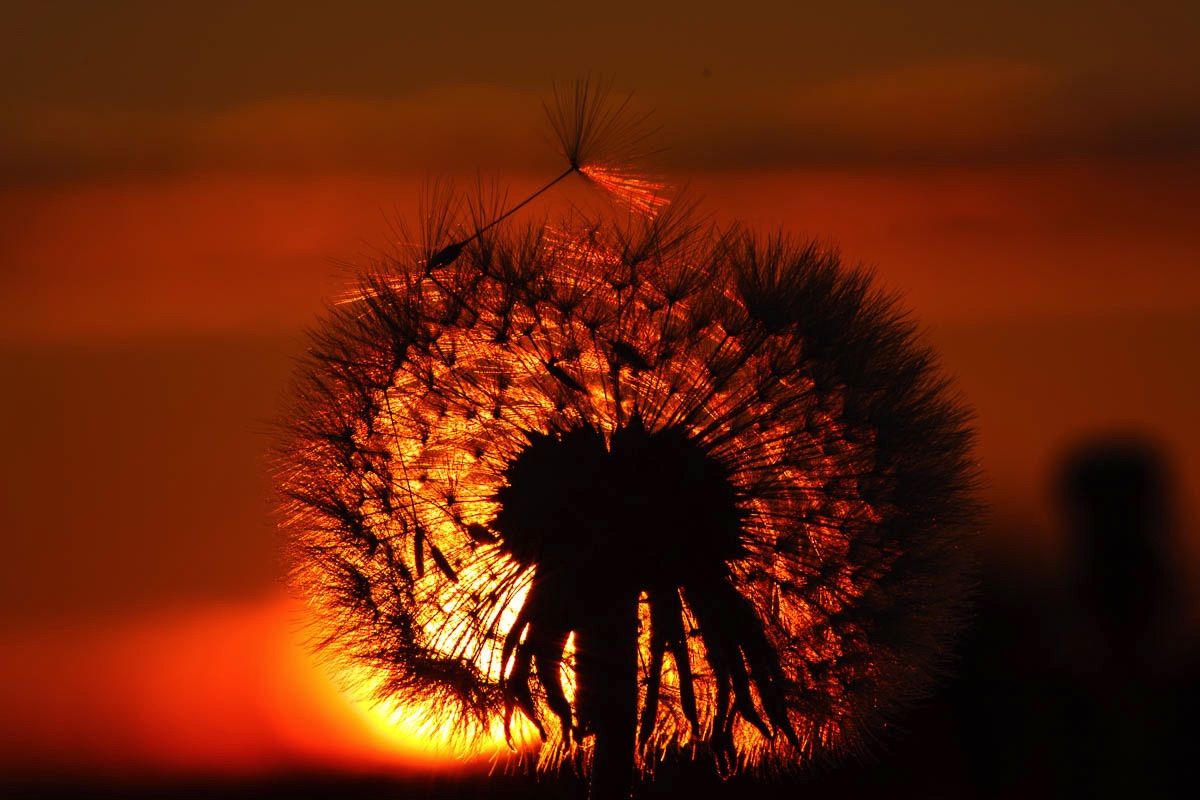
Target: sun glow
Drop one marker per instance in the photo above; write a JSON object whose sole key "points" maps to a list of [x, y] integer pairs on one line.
{"points": [[408, 728]]}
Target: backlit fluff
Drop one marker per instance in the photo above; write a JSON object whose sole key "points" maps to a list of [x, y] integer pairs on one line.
{"points": [[793, 539]]}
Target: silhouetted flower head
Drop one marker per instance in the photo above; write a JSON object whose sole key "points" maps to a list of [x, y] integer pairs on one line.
{"points": [[734, 437]]}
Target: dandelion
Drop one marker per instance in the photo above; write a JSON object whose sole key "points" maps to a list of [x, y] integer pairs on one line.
{"points": [[630, 488]]}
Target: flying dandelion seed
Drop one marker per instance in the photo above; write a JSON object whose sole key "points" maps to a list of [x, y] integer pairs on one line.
{"points": [[599, 139], [630, 488]]}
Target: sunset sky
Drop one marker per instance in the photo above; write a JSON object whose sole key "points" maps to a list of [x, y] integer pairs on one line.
{"points": [[184, 186]]}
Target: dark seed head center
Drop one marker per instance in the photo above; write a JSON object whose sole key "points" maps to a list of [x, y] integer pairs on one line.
{"points": [[638, 509]]}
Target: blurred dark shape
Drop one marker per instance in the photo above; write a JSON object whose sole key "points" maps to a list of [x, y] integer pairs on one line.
{"points": [[1132, 671], [1114, 495], [1085, 687]]}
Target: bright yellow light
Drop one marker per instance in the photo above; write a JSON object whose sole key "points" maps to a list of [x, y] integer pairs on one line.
{"points": [[411, 730]]}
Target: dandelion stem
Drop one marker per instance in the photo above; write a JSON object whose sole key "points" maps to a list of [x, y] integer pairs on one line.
{"points": [[614, 650], [571, 169]]}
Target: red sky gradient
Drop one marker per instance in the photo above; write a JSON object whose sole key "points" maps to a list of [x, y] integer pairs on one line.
{"points": [[182, 191]]}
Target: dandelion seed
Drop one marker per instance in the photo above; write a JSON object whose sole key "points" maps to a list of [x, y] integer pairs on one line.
{"points": [[600, 140], [631, 490]]}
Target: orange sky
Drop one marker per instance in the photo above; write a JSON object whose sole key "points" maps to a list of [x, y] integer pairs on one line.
{"points": [[181, 191]]}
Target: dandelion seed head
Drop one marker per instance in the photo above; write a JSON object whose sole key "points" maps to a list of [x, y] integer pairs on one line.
{"points": [[738, 430], [504, 433]]}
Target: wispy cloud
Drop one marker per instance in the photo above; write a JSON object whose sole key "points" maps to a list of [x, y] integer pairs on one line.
{"points": [[974, 110], [452, 127], [958, 111]]}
